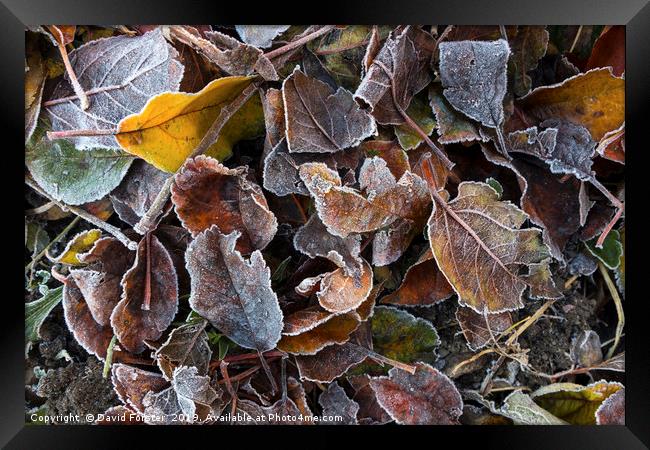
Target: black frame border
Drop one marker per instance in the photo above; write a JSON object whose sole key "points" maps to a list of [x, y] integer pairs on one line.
{"points": [[635, 14]]}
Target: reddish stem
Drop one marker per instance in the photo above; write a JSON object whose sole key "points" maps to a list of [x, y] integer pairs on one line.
{"points": [[146, 304]]}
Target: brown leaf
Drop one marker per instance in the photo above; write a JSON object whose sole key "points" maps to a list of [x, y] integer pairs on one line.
{"points": [[427, 397], [612, 410], [595, 100], [609, 50], [132, 384], [93, 337], [149, 298], [206, 193], [340, 293], [528, 46], [479, 246], [99, 282], [479, 329], [331, 362], [423, 284], [452, 125], [186, 345], [319, 120], [402, 66], [233, 293]]}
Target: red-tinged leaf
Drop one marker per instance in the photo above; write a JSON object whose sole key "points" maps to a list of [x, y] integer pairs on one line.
{"points": [[340, 293], [132, 384], [206, 193], [425, 398], [149, 298], [479, 245], [331, 362], [233, 293], [315, 335], [338, 406], [402, 67], [609, 50], [99, 281], [370, 412], [423, 284], [479, 330]]}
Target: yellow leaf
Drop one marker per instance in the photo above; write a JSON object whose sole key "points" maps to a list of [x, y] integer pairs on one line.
{"points": [[172, 124], [79, 244], [575, 403]]}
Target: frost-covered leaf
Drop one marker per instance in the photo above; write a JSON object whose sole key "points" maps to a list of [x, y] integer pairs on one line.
{"points": [[612, 410], [100, 279], [137, 191], [528, 46], [595, 100], [426, 397], [149, 297], [337, 405], [314, 240], [478, 329], [401, 205], [119, 75], [236, 58], [312, 329], [37, 311], [319, 120], [92, 336], [524, 411], [35, 77], [206, 193], [233, 293], [423, 284], [611, 252], [260, 35], [331, 362], [186, 345], [167, 139], [80, 243], [131, 384], [479, 245], [339, 292], [71, 175], [401, 336], [473, 75], [402, 66], [194, 392], [585, 350], [574, 403]]}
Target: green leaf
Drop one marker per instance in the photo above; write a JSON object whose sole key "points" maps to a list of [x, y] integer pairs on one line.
{"points": [[36, 238], [523, 411], [399, 335], [611, 252], [37, 311], [74, 176], [422, 114], [494, 184]]}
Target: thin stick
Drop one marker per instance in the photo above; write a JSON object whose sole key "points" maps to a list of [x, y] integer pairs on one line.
{"points": [[146, 303], [52, 135], [385, 360], [619, 308], [299, 42], [575, 39], [116, 232], [269, 375], [109, 357], [52, 242], [233, 395], [148, 221]]}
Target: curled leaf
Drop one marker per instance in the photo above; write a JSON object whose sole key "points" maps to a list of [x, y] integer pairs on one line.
{"points": [[338, 405], [80, 243]]}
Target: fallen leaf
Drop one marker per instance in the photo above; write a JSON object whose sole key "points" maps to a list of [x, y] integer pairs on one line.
{"points": [[575, 403], [524, 411], [233, 293], [427, 397], [611, 252], [401, 67], [475, 235], [423, 284], [420, 112], [80, 243], [149, 297], [338, 406], [401, 336], [37, 311], [132, 70], [612, 410], [132, 384], [331, 362], [473, 75], [609, 50], [528, 46], [205, 193], [452, 126], [479, 330], [35, 77], [319, 120], [186, 345], [595, 100], [260, 35]]}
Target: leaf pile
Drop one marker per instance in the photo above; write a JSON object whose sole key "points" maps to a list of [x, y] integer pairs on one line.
{"points": [[331, 224]]}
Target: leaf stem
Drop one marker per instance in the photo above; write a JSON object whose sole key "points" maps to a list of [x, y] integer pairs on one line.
{"points": [[148, 221], [116, 232], [299, 42], [63, 134], [78, 90]]}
